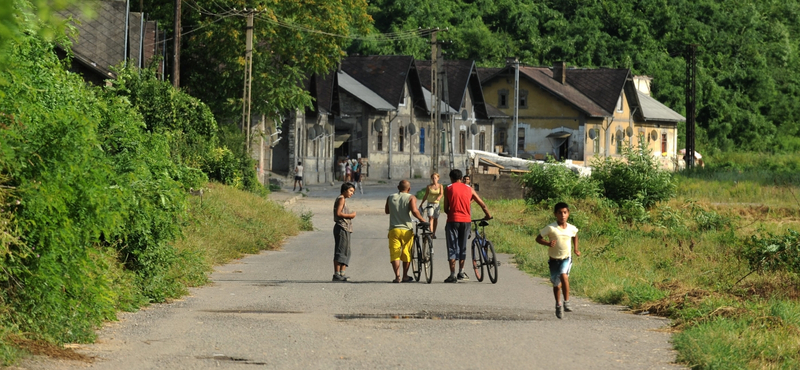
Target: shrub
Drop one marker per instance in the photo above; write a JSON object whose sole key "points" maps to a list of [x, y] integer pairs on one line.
{"points": [[774, 253], [637, 177], [552, 181]]}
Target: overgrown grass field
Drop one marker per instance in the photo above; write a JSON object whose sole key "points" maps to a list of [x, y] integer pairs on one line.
{"points": [[686, 259]]}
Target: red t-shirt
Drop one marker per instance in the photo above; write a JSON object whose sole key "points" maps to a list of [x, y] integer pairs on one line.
{"points": [[459, 197]]}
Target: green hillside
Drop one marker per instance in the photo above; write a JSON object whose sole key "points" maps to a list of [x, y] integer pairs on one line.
{"points": [[748, 66]]}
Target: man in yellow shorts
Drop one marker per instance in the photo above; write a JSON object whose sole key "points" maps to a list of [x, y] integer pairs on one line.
{"points": [[400, 206]]}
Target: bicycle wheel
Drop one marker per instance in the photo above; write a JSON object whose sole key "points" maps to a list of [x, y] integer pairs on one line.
{"points": [[477, 259], [427, 257], [415, 259], [491, 261]]}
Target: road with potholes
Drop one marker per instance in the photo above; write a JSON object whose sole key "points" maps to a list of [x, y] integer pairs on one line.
{"points": [[280, 310]]}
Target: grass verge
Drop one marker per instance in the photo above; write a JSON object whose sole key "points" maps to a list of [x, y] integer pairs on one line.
{"points": [[688, 267]]}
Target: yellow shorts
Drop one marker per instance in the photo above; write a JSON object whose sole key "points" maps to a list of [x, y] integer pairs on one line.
{"points": [[400, 242]]}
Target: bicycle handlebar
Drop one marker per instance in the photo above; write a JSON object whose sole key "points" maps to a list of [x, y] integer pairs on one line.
{"points": [[482, 219]]}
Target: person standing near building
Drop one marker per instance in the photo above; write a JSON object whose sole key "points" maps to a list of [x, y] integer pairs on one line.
{"points": [[400, 207], [358, 175], [298, 176], [458, 200], [342, 228]]}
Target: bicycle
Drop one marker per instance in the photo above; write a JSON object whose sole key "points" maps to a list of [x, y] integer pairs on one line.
{"points": [[483, 253], [422, 252]]}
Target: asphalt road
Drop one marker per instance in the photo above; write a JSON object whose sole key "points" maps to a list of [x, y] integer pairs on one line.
{"points": [[280, 310]]}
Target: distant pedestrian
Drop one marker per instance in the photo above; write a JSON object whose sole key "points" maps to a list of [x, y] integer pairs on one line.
{"points": [[358, 168], [433, 194], [562, 238], [342, 171], [400, 206], [467, 181], [348, 167], [342, 228], [298, 176]]}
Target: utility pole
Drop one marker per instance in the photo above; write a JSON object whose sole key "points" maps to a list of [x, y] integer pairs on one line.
{"points": [[248, 76], [516, 107], [176, 63], [436, 119], [691, 92]]}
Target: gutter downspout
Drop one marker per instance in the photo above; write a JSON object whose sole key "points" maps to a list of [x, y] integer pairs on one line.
{"points": [[127, 21]]}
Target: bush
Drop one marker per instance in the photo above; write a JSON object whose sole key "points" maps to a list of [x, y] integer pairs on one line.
{"points": [[638, 177], [552, 181], [774, 253]]}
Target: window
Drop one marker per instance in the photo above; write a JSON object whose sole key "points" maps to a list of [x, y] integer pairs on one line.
{"points": [[596, 144], [501, 137], [663, 143], [521, 139], [422, 140], [502, 98], [482, 141], [619, 104], [620, 141], [462, 142], [642, 141], [401, 140], [523, 99], [380, 141]]}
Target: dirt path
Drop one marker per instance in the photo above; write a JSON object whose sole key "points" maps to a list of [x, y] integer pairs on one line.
{"points": [[279, 310]]}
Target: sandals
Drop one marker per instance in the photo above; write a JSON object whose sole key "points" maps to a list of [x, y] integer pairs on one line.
{"points": [[409, 280]]}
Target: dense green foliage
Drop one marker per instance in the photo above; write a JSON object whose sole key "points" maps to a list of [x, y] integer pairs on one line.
{"points": [[552, 181], [212, 66], [774, 253], [636, 177], [92, 189], [748, 60]]}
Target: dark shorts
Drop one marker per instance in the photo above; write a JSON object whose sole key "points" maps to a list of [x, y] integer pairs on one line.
{"points": [[456, 234], [298, 178], [356, 176], [341, 252], [557, 268]]}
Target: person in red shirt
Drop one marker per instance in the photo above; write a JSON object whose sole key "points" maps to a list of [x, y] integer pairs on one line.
{"points": [[459, 197]]}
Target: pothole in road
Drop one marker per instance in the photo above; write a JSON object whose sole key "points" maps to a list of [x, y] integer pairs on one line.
{"points": [[482, 316], [237, 360]]}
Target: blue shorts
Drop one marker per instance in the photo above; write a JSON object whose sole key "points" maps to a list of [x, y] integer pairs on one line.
{"points": [[558, 267], [456, 234]]}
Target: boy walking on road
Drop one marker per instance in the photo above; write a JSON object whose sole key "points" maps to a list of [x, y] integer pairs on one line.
{"points": [[459, 199], [342, 228], [400, 206], [562, 237]]}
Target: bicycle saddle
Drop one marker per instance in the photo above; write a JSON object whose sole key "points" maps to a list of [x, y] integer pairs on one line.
{"points": [[483, 223]]}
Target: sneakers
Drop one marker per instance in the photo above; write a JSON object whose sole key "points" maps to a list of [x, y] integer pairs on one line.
{"points": [[451, 279], [462, 276], [337, 277], [559, 311], [567, 308]]}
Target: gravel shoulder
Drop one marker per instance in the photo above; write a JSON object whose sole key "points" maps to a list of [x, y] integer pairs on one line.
{"points": [[279, 310]]}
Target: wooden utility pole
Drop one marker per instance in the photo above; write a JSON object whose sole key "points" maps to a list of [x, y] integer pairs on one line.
{"points": [[437, 117], [176, 63], [248, 76], [691, 92]]}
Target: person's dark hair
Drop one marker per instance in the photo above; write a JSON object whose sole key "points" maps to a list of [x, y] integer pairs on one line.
{"points": [[455, 175], [299, 163], [559, 206], [346, 186]]}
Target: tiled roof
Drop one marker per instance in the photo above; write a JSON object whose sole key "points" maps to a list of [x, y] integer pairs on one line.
{"points": [[363, 93], [487, 73], [458, 77], [493, 112], [602, 85], [544, 78], [321, 89], [386, 75], [100, 42]]}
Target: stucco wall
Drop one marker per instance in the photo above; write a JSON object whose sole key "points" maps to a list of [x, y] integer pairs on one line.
{"points": [[503, 186]]}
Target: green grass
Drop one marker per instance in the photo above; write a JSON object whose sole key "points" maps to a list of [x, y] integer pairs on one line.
{"points": [[688, 264], [227, 224]]}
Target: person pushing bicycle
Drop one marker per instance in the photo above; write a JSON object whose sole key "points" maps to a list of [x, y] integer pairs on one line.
{"points": [[400, 206], [458, 199]]}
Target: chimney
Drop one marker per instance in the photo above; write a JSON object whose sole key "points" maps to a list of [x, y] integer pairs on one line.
{"points": [[560, 72], [642, 84]]}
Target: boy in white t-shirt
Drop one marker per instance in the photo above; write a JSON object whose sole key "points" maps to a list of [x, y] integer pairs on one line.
{"points": [[562, 237]]}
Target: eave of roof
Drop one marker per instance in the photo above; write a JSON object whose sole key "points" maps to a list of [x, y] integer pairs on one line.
{"points": [[653, 110]]}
